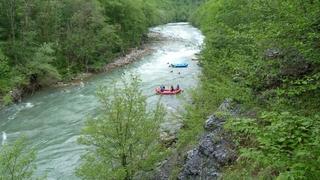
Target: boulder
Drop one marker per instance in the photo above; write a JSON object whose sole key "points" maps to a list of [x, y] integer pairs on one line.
{"points": [[210, 123], [206, 145], [230, 107], [213, 152], [192, 166], [273, 53], [223, 154], [167, 139]]}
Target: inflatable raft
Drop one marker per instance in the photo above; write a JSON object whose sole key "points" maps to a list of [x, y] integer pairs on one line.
{"points": [[168, 92], [183, 65]]}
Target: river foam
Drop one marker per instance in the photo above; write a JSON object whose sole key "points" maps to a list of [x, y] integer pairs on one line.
{"points": [[4, 137]]}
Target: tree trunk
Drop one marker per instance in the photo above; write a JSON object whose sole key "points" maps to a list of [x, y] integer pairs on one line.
{"points": [[124, 164]]}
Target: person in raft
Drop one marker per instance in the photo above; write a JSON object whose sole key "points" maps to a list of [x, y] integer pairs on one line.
{"points": [[178, 87], [172, 89], [162, 88]]}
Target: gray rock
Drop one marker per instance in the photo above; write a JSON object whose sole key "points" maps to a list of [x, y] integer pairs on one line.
{"points": [[218, 148], [273, 53], [167, 139], [214, 151], [193, 163], [206, 146], [228, 106], [224, 154], [210, 123], [199, 167]]}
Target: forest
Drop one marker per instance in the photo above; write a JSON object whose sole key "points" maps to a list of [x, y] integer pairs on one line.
{"points": [[42, 42], [45, 42], [265, 55]]}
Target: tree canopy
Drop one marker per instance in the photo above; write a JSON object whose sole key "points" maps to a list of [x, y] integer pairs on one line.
{"points": [[124, 138], [265, 56], [17, 160], [66, 37]]}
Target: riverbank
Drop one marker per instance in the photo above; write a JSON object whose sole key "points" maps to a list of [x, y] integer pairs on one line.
{"points": [[52, 118], [207, 153], [134, 54]]}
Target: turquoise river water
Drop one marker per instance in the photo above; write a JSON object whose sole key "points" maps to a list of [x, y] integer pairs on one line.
{"points": [[52, 119]]}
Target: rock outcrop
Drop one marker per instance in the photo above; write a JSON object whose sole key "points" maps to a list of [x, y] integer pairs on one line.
{"points": [[214, 151]]}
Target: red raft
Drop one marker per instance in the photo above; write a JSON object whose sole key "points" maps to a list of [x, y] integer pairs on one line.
{"points": [[168, 92]]}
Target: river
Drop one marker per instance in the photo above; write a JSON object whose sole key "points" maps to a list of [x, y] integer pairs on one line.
{"points": [[52, 119]]}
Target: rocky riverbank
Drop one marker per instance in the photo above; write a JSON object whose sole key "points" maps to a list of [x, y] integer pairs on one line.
{"points": [[133, 55], [213, 152]]}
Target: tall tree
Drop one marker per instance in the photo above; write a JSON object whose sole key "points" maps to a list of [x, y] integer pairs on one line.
{"points": [[124, 137]]}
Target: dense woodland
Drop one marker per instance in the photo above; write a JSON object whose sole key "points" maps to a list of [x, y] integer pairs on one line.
{"points": [[262, 54], [265, 55], [42, 42]]}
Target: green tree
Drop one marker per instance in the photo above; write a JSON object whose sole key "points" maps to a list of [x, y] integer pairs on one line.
{"points": [[123, 139], [83, 35], [16, 161], [5, 73], [41, 69], [262, 54]]}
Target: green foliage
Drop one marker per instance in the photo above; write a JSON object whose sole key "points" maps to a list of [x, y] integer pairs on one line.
{"points": [[5, 74], [193, 119], [265, 56], [9, 78], [17, 162], [7, 99], [43, 41], [41, 68], [123, 139], [285, 145], [185, 8]]}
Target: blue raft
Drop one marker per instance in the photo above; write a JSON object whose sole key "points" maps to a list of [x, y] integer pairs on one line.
{"points": [[182, 65]]}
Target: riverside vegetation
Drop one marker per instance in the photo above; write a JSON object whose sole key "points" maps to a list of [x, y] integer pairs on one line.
{"points": [[265, 56], [46, 41], [123, 140], [262, 54], [42, 42], [17, 160]]}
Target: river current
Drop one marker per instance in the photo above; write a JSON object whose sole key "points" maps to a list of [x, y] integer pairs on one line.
{"points": [[52, 119]]}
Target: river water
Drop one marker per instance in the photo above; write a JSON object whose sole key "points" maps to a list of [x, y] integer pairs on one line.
{"points": [[52, 119]]}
